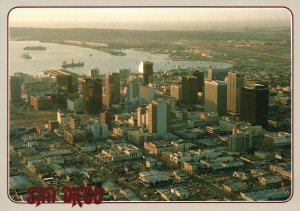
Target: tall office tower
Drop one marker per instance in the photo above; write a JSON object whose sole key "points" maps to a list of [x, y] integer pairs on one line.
{"points": [[133, 91], [239, 142], [176, 92], [146, 92], [235, 82], [200, 76], [67, 82], [94, 72], [254, 104], [189, 90], [216, 74], [106, 118], [64, 84], [92, 95], [159, 115], [141, 116], [215, 97], [15, 89], [147, 68], [112, 89], [124, 73]]}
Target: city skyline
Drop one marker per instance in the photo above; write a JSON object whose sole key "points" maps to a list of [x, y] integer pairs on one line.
{"points": [[188, 116]]}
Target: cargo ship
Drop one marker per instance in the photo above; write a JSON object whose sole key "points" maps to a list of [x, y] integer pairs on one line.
{"points": [[26, 56], [72, 64], [35, 48]]}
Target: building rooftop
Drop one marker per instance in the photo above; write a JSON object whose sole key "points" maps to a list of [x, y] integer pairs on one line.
{"points": [[19, 182], [266, 195]]}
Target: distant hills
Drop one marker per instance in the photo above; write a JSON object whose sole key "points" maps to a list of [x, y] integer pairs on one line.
{"points": [[90, 34]]}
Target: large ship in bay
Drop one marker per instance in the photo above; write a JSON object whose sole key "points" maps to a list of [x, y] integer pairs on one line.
{"points": [[72, 64], [35, 48]]}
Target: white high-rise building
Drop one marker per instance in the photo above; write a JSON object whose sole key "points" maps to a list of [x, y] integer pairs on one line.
{"points": [[235, 82], [159, 113], [215, 97], [99, 130]]}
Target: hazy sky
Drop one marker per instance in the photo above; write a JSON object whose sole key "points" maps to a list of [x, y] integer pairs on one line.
{"points": [[149, 18]]}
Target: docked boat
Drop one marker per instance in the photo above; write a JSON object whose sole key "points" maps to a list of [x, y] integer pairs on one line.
{"points": [[35, 48], [72, 64]]}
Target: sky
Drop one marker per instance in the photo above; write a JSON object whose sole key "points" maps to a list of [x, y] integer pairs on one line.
{"points": [[149, 18]]}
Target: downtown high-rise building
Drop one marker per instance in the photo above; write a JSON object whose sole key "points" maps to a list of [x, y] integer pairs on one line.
{"points": [[147, 68], [159, 115], [106, 118], [216, 74], [216, 97], [15, 89], [64, 84], [92, 95], [141, 116], [133, 90], [200, 77], [112, 89], [94, 72], [239, 142], [189, 90], [176, 92], [254, 104], [235, 82]]}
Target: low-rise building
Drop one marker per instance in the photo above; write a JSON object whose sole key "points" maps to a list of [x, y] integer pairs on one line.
{"points": [[180, 192], [190, 166], [151, 162], [277, 139], [122, 151], [270, 180], [241, 175], [74, 136], [235, 186], [137, 137], [19, 183], [265, 195], [40, 102], [284, 170], [180, 175], [153, 177]]}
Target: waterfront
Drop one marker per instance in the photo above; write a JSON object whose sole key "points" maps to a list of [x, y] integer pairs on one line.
{"points": [[55, 54]]}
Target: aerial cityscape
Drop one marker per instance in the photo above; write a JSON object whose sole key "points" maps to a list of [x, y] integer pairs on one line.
{"points": [[197, 107]]}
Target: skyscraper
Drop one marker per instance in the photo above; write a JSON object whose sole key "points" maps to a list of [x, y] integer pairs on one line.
{"points": [[92, 95], [159, 114], [216, 74], [235, 82], [106, 118], [189, 90], [216, 97], [141, 116], [15, 89], [254, 104], [147, 68], [112, 89], [94, 72], [200, 77], [133, 90], [64, 84], [176, 92]]}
